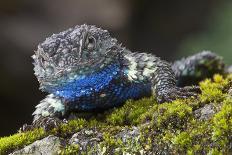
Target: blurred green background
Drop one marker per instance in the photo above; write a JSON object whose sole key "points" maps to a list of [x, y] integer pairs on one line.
{"points": [[168, 29], [216, 35]]}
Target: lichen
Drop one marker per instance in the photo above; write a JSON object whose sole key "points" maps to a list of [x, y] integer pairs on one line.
{"points": [[144, 126]]}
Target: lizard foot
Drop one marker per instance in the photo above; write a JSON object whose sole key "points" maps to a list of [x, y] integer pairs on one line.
{"points": [[26, 127], [171, 94], [48, 123]]}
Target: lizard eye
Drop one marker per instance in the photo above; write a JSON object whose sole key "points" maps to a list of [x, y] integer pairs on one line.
{"points": [[90, 43]]}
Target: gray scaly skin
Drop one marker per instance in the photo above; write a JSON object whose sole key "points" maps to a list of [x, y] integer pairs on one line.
{"points": [[85, 69]]}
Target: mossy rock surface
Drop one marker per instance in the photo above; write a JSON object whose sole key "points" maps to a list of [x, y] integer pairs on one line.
{"points": [[200, 125]]}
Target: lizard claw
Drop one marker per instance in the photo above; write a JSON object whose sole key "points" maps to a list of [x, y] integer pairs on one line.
{"points": [[171, 94], [25, 128]]}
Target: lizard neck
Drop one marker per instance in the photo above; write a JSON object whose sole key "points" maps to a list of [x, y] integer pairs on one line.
{"points": [[88, 84]]}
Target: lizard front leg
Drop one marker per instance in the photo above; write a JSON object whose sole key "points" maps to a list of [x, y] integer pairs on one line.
{"points": [[49, 112], [164, 84], [145, 68]]}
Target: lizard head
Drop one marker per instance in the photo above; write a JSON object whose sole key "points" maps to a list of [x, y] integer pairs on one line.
{"points": [[78, 51]]}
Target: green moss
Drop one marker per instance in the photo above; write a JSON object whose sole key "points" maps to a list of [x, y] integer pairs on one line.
{"points": [[130, 113], [172, 115], [222, 125], [71, 127], [69, 150], [113, 145], [213, 91], [176, 129], [110, 142], [164, 128], [183, 140], [214, 151], [20, 139]]}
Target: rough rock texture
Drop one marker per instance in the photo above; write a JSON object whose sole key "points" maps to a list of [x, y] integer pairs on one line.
{"points": [[126, 134], [205, 113], [230, 91], [85, 139], [48, 146]]}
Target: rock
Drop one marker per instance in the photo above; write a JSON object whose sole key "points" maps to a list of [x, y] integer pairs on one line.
{"points": [[230, 91], [47, 146], [126, 134], [205, 113], [86, 138]]}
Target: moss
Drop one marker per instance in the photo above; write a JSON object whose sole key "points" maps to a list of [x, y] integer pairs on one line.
{"points": [[131, 112], [110, 142], [163, 128], [69, 150], [175, 128], [20, 139], [222, 125], [172, 115], [71, 127], [213, 91], [183, 140], [113, 145]]}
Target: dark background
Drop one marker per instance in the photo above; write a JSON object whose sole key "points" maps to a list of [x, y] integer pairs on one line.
{"points": [[169, 29]]}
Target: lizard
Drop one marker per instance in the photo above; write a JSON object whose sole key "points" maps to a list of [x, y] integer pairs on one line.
{"points": [[85, 69]]}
